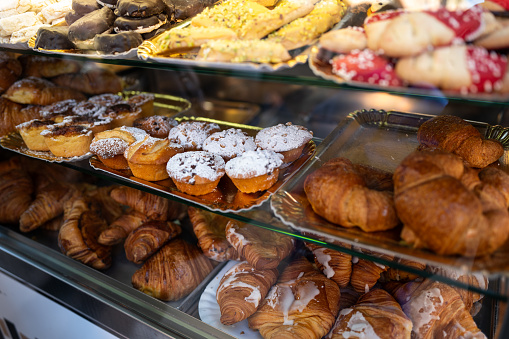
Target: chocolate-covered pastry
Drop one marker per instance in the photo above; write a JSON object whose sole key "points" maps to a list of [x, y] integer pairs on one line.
{"points": [[139, 8], [117, 43], [53, 38], [108, 3], [71, 17], [84, 6], [140, 25], [85, 29], [183, 9]]}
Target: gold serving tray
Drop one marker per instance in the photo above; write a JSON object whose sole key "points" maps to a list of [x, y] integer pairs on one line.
{"points": [[226, 197], [380, 139], [164, 104]]}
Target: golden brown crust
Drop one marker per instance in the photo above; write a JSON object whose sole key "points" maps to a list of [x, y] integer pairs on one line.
{"points": [[68, 141], [120, 228], [152, 206], [365, 273], [91, 81], [241, 290], [210, 228], [173, 272], [145, 240], [10, 71], [16, 189], [303, 304], [37, 91], [440, 213], [31, 134], [47, 67], [263, 249], [381, 314], [457, 136], [256, 184], [335, 265], [340, 193], [12, 114]]}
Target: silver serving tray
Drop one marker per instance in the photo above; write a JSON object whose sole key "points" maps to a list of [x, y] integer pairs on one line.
{"points": [[380, 139]]}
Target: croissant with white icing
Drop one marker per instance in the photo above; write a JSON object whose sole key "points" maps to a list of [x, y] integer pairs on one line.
{"points": [[334, 264], [241, 291]]}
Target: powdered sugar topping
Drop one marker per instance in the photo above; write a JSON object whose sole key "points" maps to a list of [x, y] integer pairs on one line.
{"points": [[192, 134], [137, 133], [185, 166], [229, 143], [254, 163], [109, 147], [281, 138]]}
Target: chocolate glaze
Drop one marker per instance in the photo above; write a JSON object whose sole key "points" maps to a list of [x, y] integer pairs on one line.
{"points": [[53, 38], [139, 8], [117, 43], [91, 24]]}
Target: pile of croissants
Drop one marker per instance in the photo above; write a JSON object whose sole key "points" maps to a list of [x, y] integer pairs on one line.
{"points": [[451, 194]]}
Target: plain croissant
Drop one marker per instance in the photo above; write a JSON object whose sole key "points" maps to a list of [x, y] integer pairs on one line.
{"points": [[349, 197], [16, 189], [119, 229], [153, 207], [303, 304], [457, 136], [241, 291], [375, 315], [441, 213]]}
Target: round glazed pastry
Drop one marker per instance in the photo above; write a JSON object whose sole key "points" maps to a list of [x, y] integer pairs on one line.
{"points": [[68, 141], [96, 125], [196, 173], [123, 114], [106, 99], [87, 108], [145, 101], [109, 146], [139, 25], [58, 110], [83, 30], [157, 126], [288, 140], [147, 158], [229, 143], [192, 134], [31, 130], [117, 43], [139, 8], [254, 171]]}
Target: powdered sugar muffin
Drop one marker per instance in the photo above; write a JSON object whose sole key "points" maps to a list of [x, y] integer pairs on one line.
{"points": [[192, 134], [196, 172], [288, 140], [254, 171], [229, 143]]}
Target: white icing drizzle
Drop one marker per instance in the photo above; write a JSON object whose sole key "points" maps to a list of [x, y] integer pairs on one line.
{"points": [[232, 234], [359, 327], [229, 143], [253, 164], [281, 138], [233, 277], [324, 259], [422, 308], [185, 166]]}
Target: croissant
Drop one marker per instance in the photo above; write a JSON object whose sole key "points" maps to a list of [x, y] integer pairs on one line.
{"points": [[402, 275], [10, 71], [119, 229], [53, 224], [365, 273], [303, 304], [47, 67], [48, 204], [13, 114], [110, 209], [349, 297], [152, 206], [210, 228], [37, 91], [91, 80], [340, 193], [16, 189], [173, 272], [457, 136], [241, 291], [262, 248], [77, 237], [441, 214], [334, 265], [375, 315], [145, 240], [436, 310]]}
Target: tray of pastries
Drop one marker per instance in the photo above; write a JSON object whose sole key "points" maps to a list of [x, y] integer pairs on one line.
{"points": [[219, 165], [246, 35], [62, 131], [393, 193], [456, 52]]}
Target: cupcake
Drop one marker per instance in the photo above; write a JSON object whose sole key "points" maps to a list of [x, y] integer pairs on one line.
{"points": [[229, 143], [68, 140], [147, 158], [197, 172], [254, 171], [31, 130], [192, 134], [288, 140]]}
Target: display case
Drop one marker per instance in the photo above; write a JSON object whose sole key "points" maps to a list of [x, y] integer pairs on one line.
{"points": [[368, 124]]}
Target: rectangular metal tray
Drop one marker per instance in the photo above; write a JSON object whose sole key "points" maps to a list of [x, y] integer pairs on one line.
{"points": [[380, 139]]}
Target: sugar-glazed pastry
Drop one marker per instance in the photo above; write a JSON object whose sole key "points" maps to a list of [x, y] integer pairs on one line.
{"points": [[192, 134], [229, 143], [31, 130], [147, 158], [287, 139], [157, 126], [68, 140], [196, 173], [109, 146], [254, 171]]}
